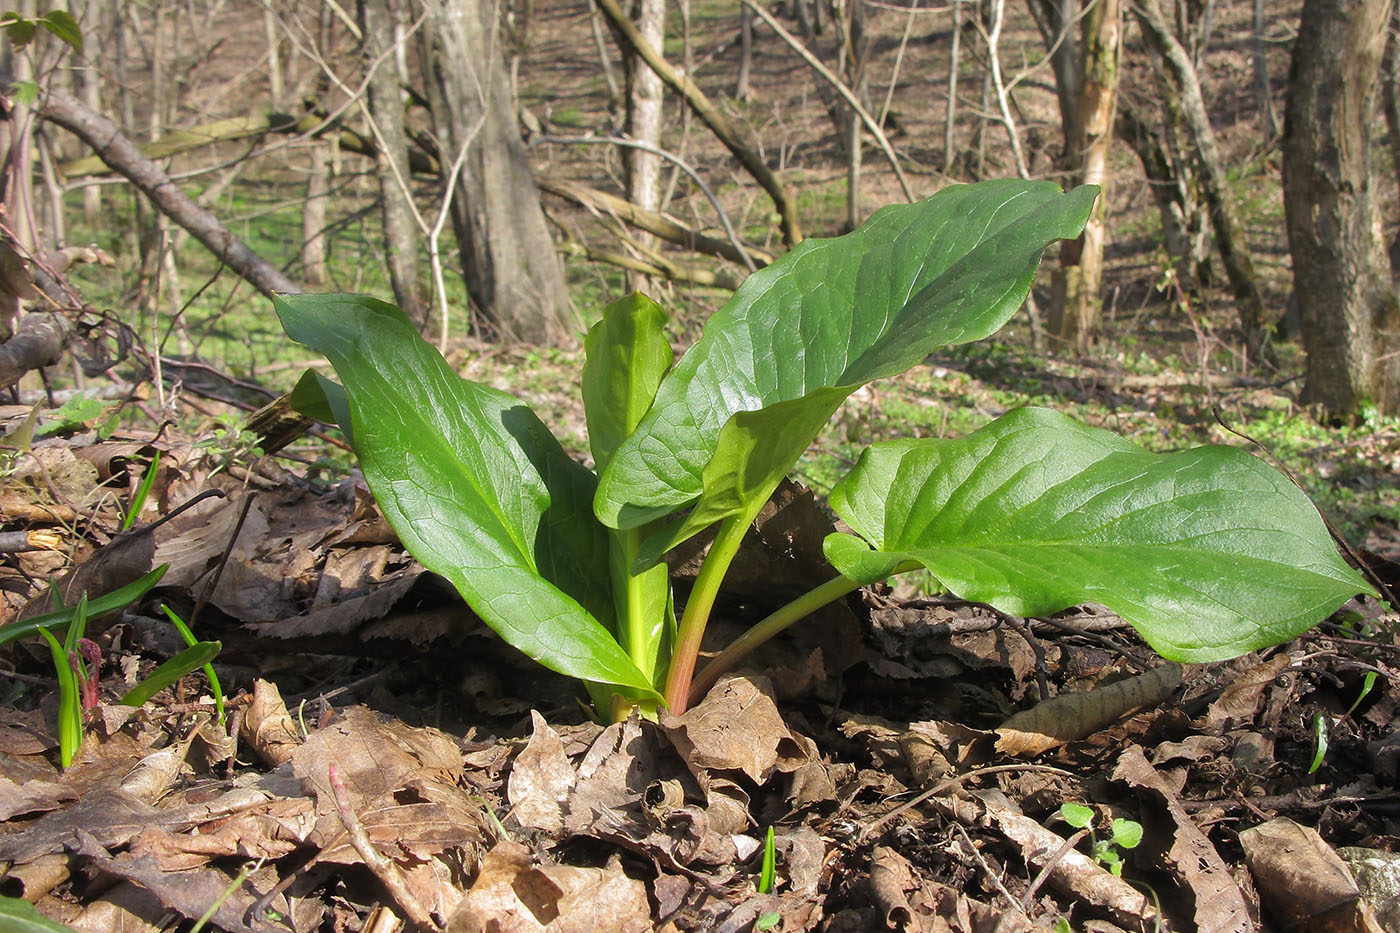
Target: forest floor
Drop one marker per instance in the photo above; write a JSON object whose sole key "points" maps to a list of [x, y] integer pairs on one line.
{"points": [[474, 792]]}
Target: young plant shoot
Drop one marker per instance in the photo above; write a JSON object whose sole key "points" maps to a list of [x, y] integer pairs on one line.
{"points": [[1209, 552]]}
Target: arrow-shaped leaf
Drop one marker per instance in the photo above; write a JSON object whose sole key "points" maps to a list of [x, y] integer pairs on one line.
{"points": [[827, 318], [1209, 552]]}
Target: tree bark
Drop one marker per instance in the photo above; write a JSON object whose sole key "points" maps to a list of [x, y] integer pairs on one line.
{"points": [[1390, 90], [511, 267], [1229, 235], [1076, 306], [386, 110], [644, 97], [313, 218], [1347, 303], [741, 84], [950, 118], [1268, 122], [1171, 184], [122, 155]]}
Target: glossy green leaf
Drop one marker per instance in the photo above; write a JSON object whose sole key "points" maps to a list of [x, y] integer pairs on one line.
{"points": [[627, 355], [324, 399], [474, 484], [1209, 552], [70, 707], [1076, 814], [168, 672], [825, 319], [215, 687], [1127, 834]]}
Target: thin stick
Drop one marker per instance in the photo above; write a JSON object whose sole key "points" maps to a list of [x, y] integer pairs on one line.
{"points": [[620, 140], [987, 870], [386, 871], [840, 89], [949, 784], [994, 61]]}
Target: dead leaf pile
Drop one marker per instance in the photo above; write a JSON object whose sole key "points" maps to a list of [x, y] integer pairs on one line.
{"points": [[387, 763]]}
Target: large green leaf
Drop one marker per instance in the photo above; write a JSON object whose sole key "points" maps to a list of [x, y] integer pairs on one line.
{"points": [[474, 484], [827, 318], [1209, 552], [627, 355]]}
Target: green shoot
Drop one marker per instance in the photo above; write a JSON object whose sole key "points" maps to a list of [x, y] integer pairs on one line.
{"points": [[70, 710], [191, 659], [1367, 685], [214, 686], [770, 865], [1320, 737], [111, 602], [138, 500]]}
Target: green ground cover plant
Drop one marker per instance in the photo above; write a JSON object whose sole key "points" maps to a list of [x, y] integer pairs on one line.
{"points": [[1208, 552]]}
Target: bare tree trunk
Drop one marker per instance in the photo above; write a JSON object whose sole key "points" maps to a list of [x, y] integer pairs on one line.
{"points": [[1171, 183], [992, 36], [1268, 123], [1229, 236], [984, 108], [713, 117], [1076, 306], [386, 110], [122, 155], [644, 98], [741, 85], [1341, 276], [614, 94], [849, 22], [1390, 90], [1056, 20], [273, 32], [509, 261], [17, 149], [950, 119], [313, 218], [99, 20]]}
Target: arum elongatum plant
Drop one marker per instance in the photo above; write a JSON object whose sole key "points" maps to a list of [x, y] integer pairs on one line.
{"points": [[1209, 553]]}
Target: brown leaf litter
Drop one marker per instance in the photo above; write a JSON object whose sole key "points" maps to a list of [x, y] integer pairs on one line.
{"points": [[387, 763]]}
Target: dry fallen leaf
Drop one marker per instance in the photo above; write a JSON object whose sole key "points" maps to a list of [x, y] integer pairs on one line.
{"points": [[1219, 903], [540, 779], [1072, 716], [512, 895], [1302, 882], [737, 727]]}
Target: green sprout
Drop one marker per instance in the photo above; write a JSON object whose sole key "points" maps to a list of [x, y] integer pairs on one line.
{"points": [[1123, 834]]}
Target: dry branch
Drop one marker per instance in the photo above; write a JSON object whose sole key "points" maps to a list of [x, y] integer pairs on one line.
{"points": [[655, 265], [39, 342], [122, 155], [655, 222], [713, 117]]}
